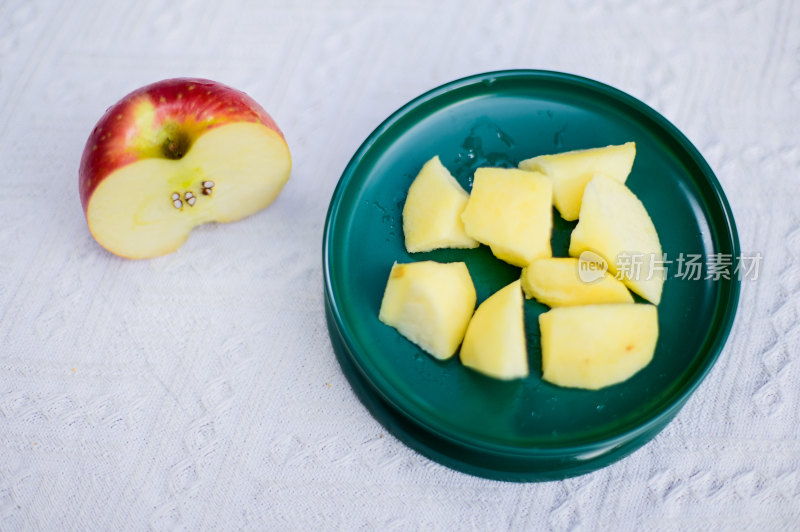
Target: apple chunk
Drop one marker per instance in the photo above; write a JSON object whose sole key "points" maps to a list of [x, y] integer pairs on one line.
{"points": [[430, 303], [572, 170], [232, 171], [495, 340], [556, 282], [595, 346], [614, 224], [432, 212], [511, 211]]}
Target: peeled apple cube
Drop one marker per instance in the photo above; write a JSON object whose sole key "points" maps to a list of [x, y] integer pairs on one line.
{"points": [[572, 170], [614, 224], [432, 212], [430, 303], [557, 283], [495, 341], [511, 211], [595, 346]]}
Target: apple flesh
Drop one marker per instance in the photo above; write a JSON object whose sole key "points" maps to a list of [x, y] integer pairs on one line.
{"points": [[176, 154], [430, 303], [494, 343], [511, 211], [614, 224], [572, 170], [557, 283], [595, 346], [432, 212]]}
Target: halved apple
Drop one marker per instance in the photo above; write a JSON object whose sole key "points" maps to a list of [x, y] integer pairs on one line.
{"points": [[432, 212], [595, 346], [495, 340], [614, 224], [174, 155], [430, 303], [556, 282], [511, 211], [572, 170]]}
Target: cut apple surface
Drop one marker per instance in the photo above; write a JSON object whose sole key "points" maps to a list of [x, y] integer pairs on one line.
{"points": [[571, 171], [495, 340], [432, 211], [174, 155], [595, 346], [614, 224], [557, 282], [511, 211], [430, 303]]}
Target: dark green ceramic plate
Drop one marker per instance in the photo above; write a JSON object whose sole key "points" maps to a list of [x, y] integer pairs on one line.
{"points": [[525, 429]]}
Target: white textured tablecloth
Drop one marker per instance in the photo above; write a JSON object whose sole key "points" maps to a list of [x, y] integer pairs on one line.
{"points": [[200, 391]]}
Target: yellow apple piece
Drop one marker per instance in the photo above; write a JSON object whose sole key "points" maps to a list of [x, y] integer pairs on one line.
{"points": [[511, 211], [432, 212], [614, 224], [556, 282], [495, 341], [572, 170], [595, 346], [430, 303]]}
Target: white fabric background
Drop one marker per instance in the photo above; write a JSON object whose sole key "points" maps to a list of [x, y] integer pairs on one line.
{"points": [[200, 391]]}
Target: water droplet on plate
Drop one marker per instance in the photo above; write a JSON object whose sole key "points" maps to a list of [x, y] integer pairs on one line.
{"points": [[558, 138], [378, 206], [504, 138]]}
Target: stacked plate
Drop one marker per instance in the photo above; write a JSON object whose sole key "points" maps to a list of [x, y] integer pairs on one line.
{"points": [[527, 429]]}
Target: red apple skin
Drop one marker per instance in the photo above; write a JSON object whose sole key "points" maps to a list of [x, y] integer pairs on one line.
{"points": [[190, 106]]}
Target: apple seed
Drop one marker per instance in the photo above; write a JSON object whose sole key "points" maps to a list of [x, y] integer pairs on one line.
{"points": [[178, 204], [175, 196], [208, 184]]}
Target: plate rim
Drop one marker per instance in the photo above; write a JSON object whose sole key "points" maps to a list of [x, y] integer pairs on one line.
{"points": [[725, 311]]}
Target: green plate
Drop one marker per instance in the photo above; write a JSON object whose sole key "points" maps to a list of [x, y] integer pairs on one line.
{"points": [[526, 429]]}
